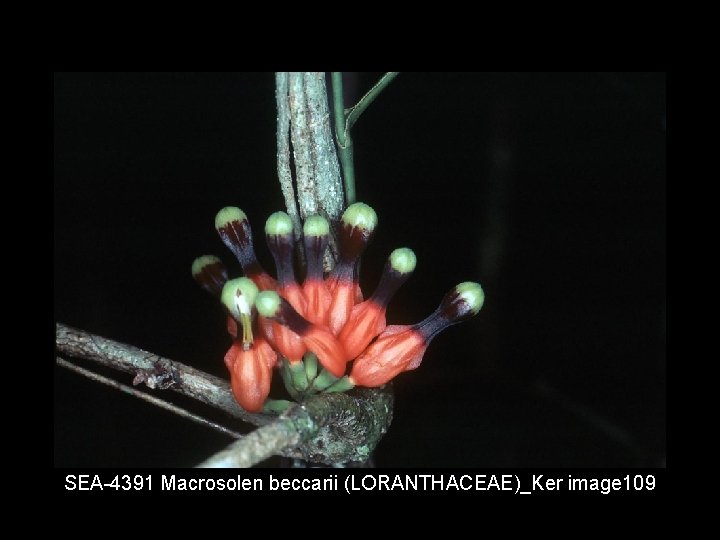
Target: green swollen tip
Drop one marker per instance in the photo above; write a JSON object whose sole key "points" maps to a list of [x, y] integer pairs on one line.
{"points": [[316, 226], [360, 215], [268, 303], [203, 262], [403, 260], [472, 294], [238, 296], [228, 215], [279, 224]]}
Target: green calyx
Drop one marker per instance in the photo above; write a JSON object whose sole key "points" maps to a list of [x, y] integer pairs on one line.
{"points": [[403, 260], [268, 303], [279, 224], [238, 295], [316, 226], [472, 294], [360, 215], [228, 215], [298, 376], [341, 385], [311, 365]]}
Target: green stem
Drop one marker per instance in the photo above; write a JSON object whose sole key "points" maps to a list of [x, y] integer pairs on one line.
{"points": [[344, 121], [354, 113], [344, 140]]}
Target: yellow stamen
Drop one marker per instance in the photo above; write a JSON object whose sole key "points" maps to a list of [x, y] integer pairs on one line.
{"points": [[247, 336]]}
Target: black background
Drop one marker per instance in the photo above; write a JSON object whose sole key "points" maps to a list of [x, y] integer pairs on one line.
{"points": [[548, 188]]}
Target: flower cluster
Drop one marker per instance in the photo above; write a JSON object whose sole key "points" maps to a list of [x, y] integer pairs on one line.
{"points": [[325, 319]]}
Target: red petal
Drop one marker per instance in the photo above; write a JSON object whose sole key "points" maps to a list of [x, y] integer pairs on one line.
{"points": [[266, 352], [395, 351], [232, 353], [327, 348], [250, 380], [289, 344], [293, 294], [318, 301], [366, 321], [266, 329], [341, 305]]}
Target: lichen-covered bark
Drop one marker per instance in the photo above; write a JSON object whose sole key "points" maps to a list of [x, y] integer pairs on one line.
{"points": [[303, 112], [348, 425], [327, 428]]}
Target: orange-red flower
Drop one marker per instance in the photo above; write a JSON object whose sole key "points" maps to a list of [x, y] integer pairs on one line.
{"points": [[357, 228], [279, 236], [398, 348], [316, 236], [401, 348], [318, 339], [250, 373], [323, 320], [367, 318]]}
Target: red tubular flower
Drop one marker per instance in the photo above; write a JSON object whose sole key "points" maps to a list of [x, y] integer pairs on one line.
{"points": [[279, 236], [250, 359], [324, 316], [367, 319], [316, 236], [318, 339], [234, 229], [401, 348], [357, 228], [250, 373]]}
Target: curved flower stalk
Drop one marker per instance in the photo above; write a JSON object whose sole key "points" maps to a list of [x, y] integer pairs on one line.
{"points": [[321, 326]]}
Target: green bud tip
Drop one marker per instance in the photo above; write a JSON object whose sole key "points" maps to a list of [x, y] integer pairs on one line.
{"points": [[227, 215], [267, 303], [360, 215], [403, 260], [472, 294], [202, 262], [316, 226], [238, 295], [278, 223]]}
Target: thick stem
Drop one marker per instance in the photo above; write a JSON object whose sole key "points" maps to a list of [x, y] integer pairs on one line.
{"points": [[283, 151], [319, 188], [261, 444]]}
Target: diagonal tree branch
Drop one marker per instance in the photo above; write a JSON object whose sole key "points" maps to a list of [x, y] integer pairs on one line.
{"points": [[327, 428], [154, 371], [261, 444]]}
